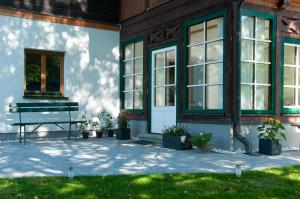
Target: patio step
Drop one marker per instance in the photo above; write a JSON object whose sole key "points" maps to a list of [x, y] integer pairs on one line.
{"points": [[155, 138]]}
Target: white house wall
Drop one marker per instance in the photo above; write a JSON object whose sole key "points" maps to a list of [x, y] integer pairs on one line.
{"points": [[91, 69]]}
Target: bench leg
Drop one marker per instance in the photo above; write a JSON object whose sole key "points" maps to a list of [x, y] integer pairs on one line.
{"points": [[20, 135], [24, 133], [70, 128]]}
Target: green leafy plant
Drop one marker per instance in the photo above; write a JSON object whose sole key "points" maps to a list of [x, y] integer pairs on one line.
{"points": [[271, 130], [105, 119], [201, 140], [175, 130], [123, 121], [84, 125]]}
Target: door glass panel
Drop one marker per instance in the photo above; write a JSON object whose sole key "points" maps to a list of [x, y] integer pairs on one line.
{"points": [[170, 58], [53, 73], [170, 96], [159, 60], [33, 72], [170, 76], [195, 98], [159, 77], [160, 96]]}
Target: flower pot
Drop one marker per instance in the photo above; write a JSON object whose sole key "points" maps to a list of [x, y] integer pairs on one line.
{"points": [[85, 134], [269, 147], [110, 133], [99, 134], [123, 134], [205, 149], [176, 142]]}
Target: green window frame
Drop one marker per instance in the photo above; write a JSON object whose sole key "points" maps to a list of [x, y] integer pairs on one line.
{"points": [[132, 75], [290, 83], [207, 61], [258, 67]]}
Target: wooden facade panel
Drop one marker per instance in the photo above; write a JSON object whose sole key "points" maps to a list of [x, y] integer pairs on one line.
{"points": [[155, 3], [130, 8], [94, 10]]}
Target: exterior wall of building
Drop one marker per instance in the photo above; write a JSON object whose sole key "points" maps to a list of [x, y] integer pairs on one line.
{"points": [[91, 66]]}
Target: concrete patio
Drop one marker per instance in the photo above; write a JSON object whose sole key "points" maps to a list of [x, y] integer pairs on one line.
{"points": [[108, 156]]}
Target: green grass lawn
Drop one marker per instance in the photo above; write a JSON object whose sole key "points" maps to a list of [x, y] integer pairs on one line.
{"points": [[271, 183]]}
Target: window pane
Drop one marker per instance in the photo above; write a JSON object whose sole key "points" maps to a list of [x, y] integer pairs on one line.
{"points": [[159, 60], [214, 51], [289, 55], [262, 97], [195, 98], [128, 83], [138, 100], [215, 29], [289, 75], [195, 75], [170, 96], [262, 29], [170, 58], [128, 101], [138, 82], [196, 34], [196, 55], [160, 96], [247, 27], [159, 77], [33, 72], [247, 49], [128, 68], [170, 75], [52, 73], [262, 73], [129, 51], [214, 97], [214, 74], [289, 96], [262, 51], [138, 49], [246, 97], [247, 73], [138, 66]]}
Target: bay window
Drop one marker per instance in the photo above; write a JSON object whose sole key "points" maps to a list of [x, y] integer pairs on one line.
{"points": [[204, 69], [256, 63], [133, 76]]}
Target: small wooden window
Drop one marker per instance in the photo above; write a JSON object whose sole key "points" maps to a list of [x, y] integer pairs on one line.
{"points": [[44, 73]]}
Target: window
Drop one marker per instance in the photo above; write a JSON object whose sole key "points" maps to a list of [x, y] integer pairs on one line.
{"points": [[205, 48], [256, 63], [291, 76], [43, 73], [133, 76]]}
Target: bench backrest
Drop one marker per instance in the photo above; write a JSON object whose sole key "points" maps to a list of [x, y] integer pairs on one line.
{"points": [[43, 107]]}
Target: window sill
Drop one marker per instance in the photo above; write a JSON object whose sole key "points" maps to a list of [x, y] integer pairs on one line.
{"points": [[48, 97]]}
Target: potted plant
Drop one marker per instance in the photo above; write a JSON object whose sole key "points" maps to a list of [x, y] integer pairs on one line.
{"points": [[123, 132], [176, 137], [201, 141], [84, 127], [270, 137], [96, 127], [105, 119]]}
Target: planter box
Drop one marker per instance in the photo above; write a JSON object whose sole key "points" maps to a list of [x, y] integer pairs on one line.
{"points": [[85, 134], [110, 133], [176, 142], [99, 134], [269, 147], [123, 134]]}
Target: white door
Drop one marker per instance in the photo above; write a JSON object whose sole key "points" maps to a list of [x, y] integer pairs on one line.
{"points": [[163, 102]]}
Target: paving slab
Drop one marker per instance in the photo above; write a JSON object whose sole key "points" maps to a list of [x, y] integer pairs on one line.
{"points": [[107, 156]]}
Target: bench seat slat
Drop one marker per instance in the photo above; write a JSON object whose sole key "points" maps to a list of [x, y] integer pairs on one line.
{"points": [[54, 122], [42, 109], [43, 104]]}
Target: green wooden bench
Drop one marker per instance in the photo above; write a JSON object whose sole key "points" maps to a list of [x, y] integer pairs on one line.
{"points": [[49, 107]]}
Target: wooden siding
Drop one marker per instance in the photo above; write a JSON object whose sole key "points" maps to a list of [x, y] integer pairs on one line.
{"points": [[94, 10]]}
